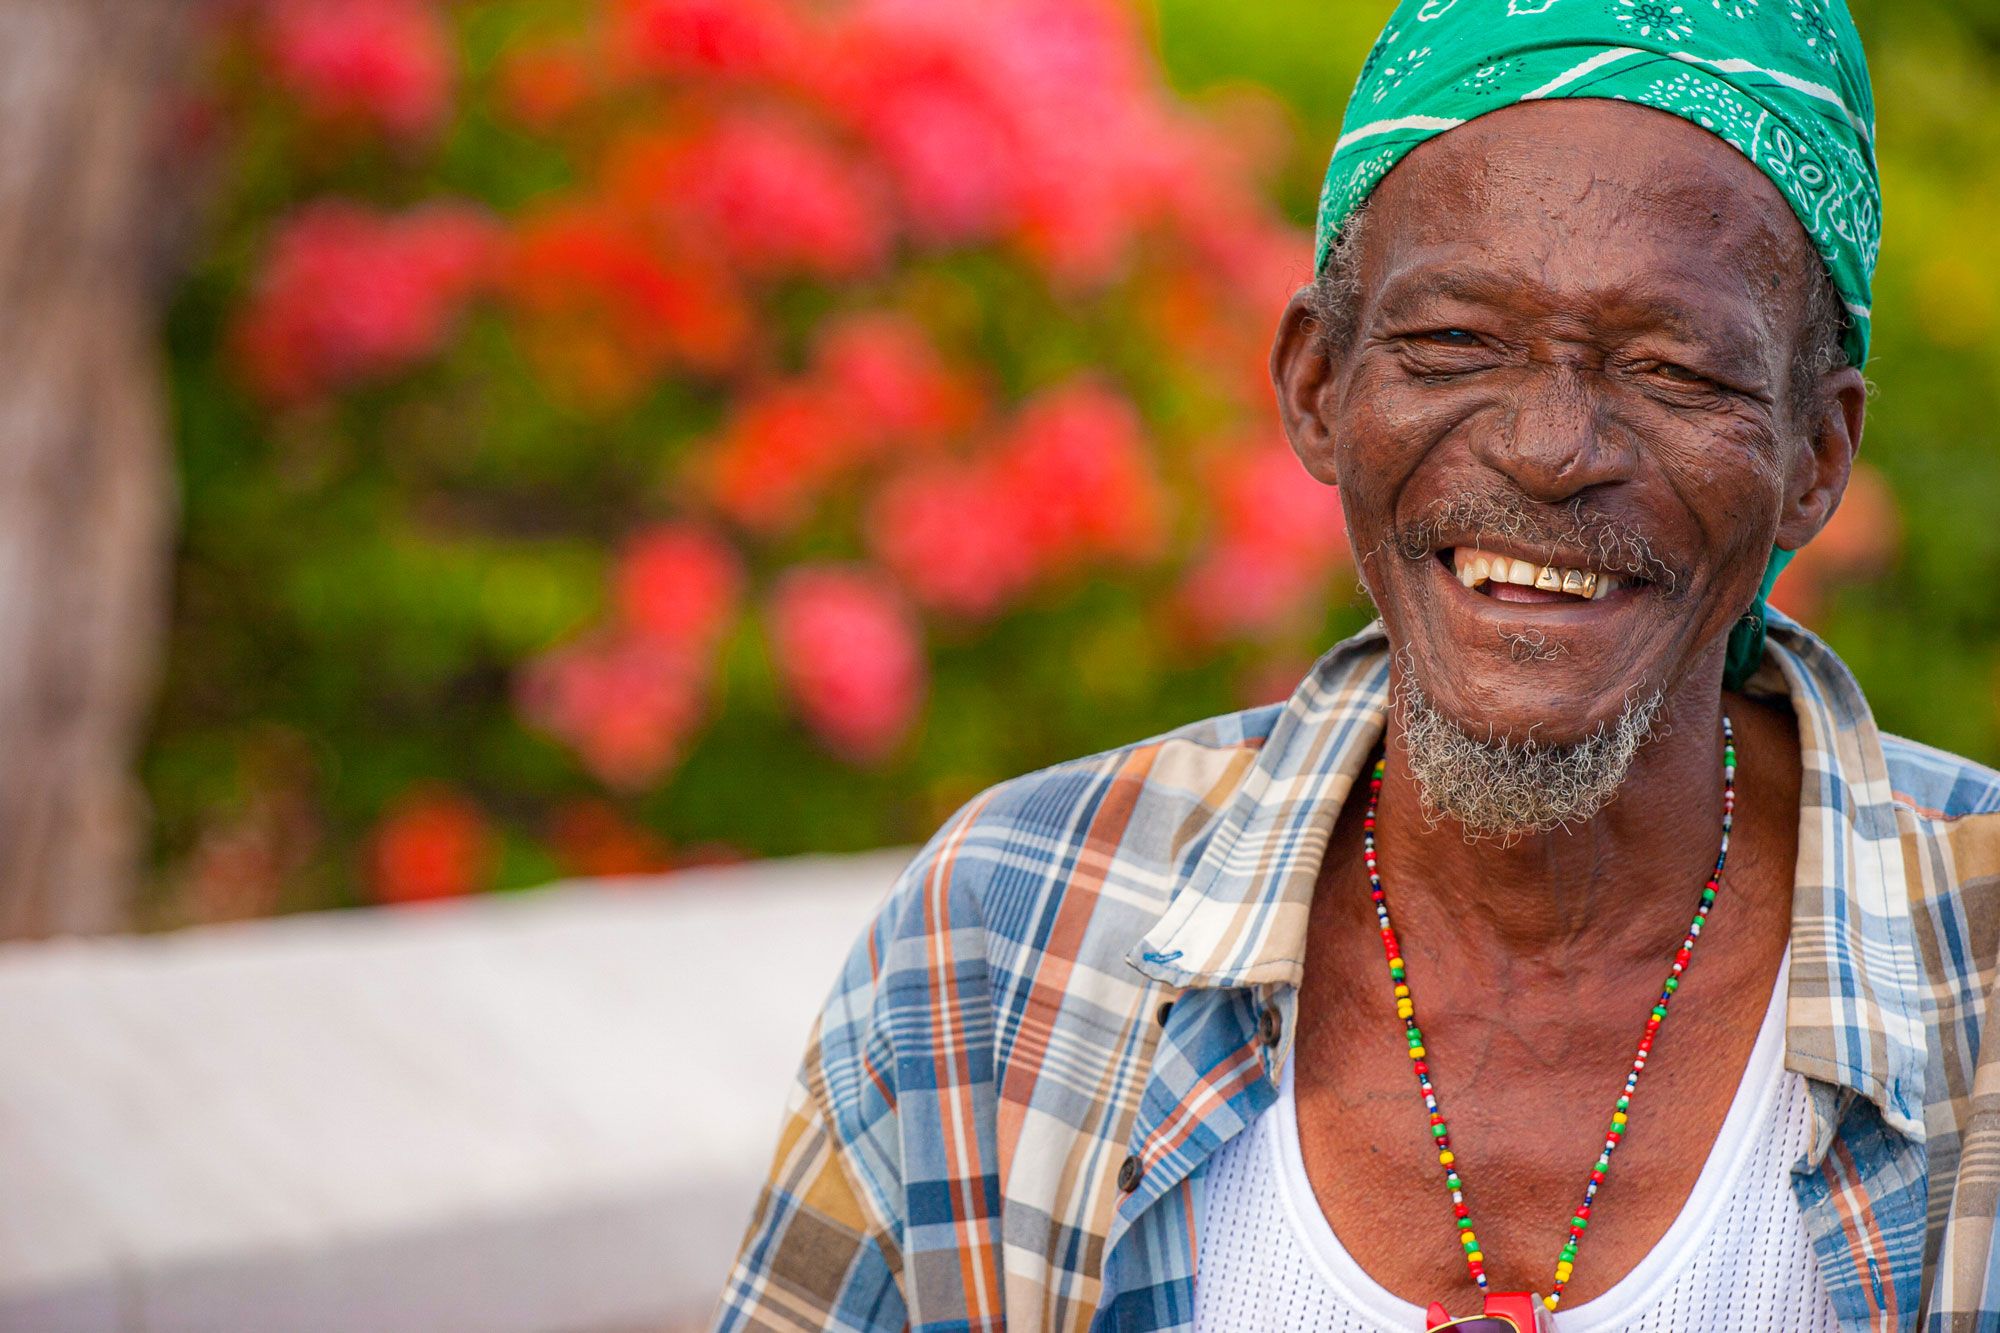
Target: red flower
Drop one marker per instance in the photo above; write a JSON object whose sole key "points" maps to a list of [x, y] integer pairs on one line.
{"points": [[433, 843], [1280, 537], [606, 308], [730, 37], [955, 536], [592, 838], [778, 455], [849, 654], [762, 188], [347, 295], [627, 706], [1078, 465], [679, 583], [382, 63], [887, 374], [541, 86]]}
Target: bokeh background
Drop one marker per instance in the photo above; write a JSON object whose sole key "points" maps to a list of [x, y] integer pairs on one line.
{"points": [[609, 435], [614, 434]]}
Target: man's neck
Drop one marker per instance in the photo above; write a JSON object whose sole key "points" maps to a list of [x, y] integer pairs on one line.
{"points": [[1608, 885]]}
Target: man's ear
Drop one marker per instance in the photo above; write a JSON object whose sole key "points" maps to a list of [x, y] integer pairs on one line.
{"points": [[1302, 376], [1820, 472]]}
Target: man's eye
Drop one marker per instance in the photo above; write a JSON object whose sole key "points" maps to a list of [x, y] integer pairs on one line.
{"points": [[1450, 338], [1679, 374]]}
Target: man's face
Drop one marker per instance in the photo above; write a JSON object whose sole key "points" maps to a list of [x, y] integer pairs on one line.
{"points": [[1571, 366]]}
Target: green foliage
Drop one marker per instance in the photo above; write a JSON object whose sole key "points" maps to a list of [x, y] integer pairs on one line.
{"points": [[363, 580]]}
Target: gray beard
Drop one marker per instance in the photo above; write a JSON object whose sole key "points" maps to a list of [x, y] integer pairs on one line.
{"points": [[1499, 787]]}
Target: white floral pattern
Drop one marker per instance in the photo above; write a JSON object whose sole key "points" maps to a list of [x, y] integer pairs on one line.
{"points": [[1434, 9], [1736, 9], [1711, 105], [1519, 8], [1488, 80], [1654, 18], [1394, 71], [1810, 19]]}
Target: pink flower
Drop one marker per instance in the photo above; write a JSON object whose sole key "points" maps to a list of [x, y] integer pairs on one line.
{"points": [[763, 188], [1265, 496], [382, 63], [1079, 467], [1280, 539], [1245, 590], [849, 654], [680, 583], [729, 37], [1008, 84], [885, 370], [955, 536], [433, 843], [920, 93], [626, 705], [347, 295]]}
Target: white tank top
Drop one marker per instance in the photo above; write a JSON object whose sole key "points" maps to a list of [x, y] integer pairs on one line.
{"points": [[1737, 1257]]}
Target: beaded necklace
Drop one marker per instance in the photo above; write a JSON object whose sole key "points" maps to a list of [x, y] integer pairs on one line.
{"points": [[1475, 1260]]}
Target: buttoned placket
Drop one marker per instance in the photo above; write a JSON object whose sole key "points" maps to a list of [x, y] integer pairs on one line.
{"points": [[1221, 1053]]}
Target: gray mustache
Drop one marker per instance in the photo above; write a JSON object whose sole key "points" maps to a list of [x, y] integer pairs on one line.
{"points": [[1619, 548]]}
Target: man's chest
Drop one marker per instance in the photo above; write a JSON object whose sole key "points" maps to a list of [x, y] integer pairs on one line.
{"points": [[1527, 1128]]}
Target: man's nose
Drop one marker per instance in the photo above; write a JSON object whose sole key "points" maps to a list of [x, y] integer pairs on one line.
{"points": [[1559, 439]]}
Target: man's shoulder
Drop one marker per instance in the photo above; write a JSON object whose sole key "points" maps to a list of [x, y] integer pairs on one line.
{"points": [[1123, 821], [1170, 762], [1937, 784]]}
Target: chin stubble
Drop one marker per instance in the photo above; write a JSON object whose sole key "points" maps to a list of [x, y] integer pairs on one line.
{"points": [[1495, 786]]}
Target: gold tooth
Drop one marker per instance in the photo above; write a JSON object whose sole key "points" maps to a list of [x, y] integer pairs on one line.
{"points": [[1573, 583], [1548, 580], [1590, 583]]}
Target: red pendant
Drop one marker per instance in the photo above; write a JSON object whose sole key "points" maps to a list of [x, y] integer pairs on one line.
{"points": [[1505, 1312]]}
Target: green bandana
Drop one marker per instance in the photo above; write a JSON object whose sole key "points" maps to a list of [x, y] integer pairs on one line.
{"points": [[1783, 81]]}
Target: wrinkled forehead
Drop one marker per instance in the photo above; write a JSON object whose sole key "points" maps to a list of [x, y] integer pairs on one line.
{"points": [[1584, 195]]}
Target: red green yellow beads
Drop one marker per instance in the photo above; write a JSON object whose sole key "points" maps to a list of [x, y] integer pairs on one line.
{"points": [[1440, 1133]]}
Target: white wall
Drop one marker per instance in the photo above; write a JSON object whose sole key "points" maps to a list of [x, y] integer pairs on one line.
{"points": [[545, 1112]]}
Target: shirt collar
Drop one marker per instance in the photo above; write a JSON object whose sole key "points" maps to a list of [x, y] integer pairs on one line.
{"points": [[1854, 1015]]}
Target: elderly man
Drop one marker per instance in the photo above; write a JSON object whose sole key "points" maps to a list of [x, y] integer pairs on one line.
{"points": [[1565, 943]]}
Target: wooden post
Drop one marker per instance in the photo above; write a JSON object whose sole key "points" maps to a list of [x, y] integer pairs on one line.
{"points": [[85, 481]]}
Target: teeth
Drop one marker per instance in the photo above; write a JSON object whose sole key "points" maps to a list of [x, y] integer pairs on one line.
{"points": [[1474, 567]]}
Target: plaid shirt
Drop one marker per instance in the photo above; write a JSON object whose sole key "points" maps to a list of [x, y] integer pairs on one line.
{"points": [[1001, 1117]]}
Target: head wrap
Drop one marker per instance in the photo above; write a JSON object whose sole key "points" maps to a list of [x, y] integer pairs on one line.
{"points": [[1784, 82]]}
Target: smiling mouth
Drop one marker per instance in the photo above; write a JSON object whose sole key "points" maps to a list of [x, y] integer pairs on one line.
{"points": [[1511, 579]]}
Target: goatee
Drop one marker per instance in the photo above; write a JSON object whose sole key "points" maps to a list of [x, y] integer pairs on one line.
{"points": [[1496, 786]]}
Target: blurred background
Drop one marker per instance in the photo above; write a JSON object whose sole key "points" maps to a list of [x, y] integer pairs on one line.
{"points": [[461, 445], [579, 414]]}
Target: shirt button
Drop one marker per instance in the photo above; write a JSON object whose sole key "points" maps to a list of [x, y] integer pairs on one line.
{"points": [[1128, 1174], [1166, 1008], [1270, 1025]]}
